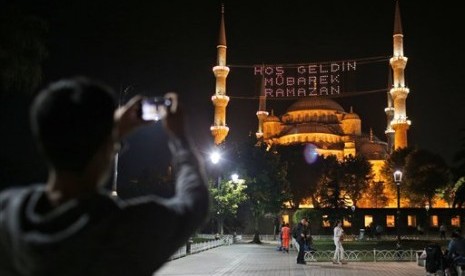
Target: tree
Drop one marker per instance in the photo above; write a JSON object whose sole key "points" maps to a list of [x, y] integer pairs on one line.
{"points": [[328, 192], [425, 173], [357, 175], [302, 176], [226, 200], [459, 193], [376, 194], [265, 175]]}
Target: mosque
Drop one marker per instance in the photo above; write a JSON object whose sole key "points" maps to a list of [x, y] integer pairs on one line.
{"points": [[322, 121]]}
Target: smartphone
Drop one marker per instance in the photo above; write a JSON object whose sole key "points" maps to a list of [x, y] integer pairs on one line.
{"points": [[155, 108]]}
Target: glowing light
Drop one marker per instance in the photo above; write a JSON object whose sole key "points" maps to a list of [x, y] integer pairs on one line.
{"points": [[310, 153], [215, 157]]}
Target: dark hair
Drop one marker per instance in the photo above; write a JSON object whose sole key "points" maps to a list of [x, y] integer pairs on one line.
{"points": [[71, 119]]}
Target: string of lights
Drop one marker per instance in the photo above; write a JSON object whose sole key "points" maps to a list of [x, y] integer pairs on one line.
{"points": [[360, 61], [345, 94]]}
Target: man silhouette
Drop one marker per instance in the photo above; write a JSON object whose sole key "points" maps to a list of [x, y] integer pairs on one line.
{"points": [[69, 226]]}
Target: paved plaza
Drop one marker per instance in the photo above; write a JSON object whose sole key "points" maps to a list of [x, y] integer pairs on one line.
{"points": [[253, 259]]}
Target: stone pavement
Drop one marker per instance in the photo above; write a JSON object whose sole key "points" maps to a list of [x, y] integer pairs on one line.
{"points": [[253, 259]]}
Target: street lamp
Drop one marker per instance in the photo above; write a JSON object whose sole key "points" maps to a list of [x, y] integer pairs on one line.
{"points": [[234, 177], [353, 219], [427, 218], [398, 180], [215, 158]]}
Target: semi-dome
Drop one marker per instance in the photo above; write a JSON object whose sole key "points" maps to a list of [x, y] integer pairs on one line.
{"points": [[373, 150], [272, 118], [315, 103], [349, 116]]}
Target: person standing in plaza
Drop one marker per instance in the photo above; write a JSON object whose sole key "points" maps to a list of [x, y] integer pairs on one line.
{"points": [[285, 236], [442, 231], [338, 238], [301, 236], [71, 225]]}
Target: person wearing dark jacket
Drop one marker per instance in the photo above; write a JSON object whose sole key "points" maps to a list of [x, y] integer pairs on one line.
{"points": [[302, 237], [70, 225]]}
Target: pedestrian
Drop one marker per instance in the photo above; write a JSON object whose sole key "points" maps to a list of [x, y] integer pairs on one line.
{"points": [[420, 229], [338, 238], [70, 225], [379, 230], [455, 251], [442, 231], [286, 236], [301, 236]]}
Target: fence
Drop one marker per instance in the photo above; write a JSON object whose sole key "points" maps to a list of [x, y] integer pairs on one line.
{"points": [[192, 248], [361, 255]]}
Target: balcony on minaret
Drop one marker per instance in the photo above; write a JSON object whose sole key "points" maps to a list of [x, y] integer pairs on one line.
{"points": [[399, 92], [400, 120], [221, 71], [398, 61], [220, 100]]}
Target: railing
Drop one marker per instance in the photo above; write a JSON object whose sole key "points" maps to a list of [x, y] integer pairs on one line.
{"points": [[202, 246], [361, 255]]}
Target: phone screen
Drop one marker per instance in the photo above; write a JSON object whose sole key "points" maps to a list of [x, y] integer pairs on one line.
{"points": [[154, 109]]}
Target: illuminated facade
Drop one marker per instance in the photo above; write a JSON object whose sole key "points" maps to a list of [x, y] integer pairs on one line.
{"points": [[325, 124], [322, 121]]}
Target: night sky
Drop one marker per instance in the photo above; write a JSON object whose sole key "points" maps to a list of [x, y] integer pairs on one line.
{"points": [[152, 47]]}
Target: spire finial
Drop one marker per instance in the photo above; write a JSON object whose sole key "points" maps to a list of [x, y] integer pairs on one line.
{"points": [[371, 134], [351, 109], [397, 20], [222, 35]]}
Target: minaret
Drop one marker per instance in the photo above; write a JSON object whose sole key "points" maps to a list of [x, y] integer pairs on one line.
{"points": [[389, 116], [261, 113], [399, 91], [220, 100]]}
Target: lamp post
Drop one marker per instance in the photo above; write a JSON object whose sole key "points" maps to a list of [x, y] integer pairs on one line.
{"points": [[398, 180], [215, 158], [353, 219], [427, 219]]}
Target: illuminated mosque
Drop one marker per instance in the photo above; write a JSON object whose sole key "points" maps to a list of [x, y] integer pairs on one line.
{"points": [[322, 121]]}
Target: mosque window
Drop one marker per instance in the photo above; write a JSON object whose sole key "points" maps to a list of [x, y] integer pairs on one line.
{"points": [[390, 221], [412, 221]]}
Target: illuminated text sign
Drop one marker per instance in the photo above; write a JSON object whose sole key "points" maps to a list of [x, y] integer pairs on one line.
{"points": [[304, 80]]}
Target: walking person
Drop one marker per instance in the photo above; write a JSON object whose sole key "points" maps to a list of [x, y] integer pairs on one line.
{"points": [[302, 233], [338, 238], [285, 237], [442, 231]]}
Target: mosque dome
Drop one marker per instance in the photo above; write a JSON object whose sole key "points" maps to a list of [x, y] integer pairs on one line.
{"points": [[373, 150], [315, 103]]}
